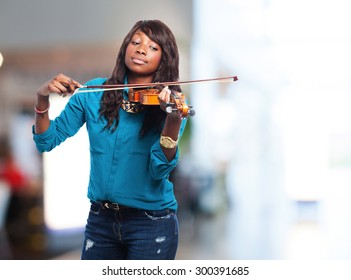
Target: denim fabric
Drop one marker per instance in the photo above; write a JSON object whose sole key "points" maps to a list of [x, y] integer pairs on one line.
{"points": [[130, 233]]}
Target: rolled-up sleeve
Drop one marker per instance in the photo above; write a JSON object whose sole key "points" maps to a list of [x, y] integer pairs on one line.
{"points": [[65, 125], [46, 141], [160, 167]]}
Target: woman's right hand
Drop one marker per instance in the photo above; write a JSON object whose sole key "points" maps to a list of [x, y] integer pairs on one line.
{"points": [[61, 84]]}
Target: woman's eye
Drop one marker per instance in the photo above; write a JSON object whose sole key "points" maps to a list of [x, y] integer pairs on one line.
{"points": [[153, 48], [135, 42]]}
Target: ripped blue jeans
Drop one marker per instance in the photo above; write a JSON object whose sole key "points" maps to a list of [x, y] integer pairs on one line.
{"points": [[130, 233]]}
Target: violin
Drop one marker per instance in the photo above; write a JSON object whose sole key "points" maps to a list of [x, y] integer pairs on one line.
{"points": [[150, 97]]}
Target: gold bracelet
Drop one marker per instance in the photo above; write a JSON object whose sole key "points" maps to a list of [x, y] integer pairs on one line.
{"points": [[167, 142]]}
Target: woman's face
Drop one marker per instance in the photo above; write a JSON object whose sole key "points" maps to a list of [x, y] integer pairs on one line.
{"points": [[143, 56]]}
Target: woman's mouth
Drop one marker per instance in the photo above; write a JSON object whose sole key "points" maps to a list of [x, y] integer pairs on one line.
{"points": [[138, 61]]}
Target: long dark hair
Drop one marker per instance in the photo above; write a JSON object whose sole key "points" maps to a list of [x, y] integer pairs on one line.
{"points": [[168, 70]]}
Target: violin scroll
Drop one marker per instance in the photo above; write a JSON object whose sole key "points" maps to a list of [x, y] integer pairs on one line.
{"points": [[178, 104]]}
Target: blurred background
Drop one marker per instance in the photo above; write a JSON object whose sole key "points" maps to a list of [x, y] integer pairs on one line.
{"points": [[265, 170]]}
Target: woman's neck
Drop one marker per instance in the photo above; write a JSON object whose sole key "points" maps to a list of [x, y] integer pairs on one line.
{"points": [[137, 79]]}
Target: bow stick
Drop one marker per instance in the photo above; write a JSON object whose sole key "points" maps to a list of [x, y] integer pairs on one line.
{"points": [[143, 85]]}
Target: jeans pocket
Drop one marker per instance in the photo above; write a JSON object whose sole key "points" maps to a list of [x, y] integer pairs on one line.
{"points": [[159, 214], [95, 208]]}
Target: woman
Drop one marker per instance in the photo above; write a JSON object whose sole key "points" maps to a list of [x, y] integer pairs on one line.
{"points": [[133, 149]]}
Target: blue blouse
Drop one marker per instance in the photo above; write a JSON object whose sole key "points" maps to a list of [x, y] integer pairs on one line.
{"points": [[124, 168]]}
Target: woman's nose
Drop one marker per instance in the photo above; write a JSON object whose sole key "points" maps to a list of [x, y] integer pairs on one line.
{"points": [[141, 49]]}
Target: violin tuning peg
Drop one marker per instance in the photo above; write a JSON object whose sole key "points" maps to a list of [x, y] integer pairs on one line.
{"points": [[191, 112], [169, 109]]}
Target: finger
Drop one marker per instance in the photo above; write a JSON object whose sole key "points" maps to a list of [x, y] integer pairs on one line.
{"points": [[61, 85], [56, 87], [165, 95], [70, 86], [73, 85], [77, 84], [62, 89]]}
